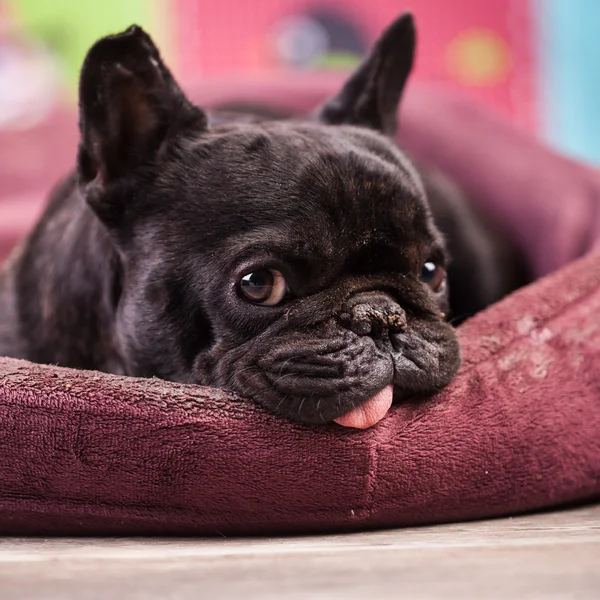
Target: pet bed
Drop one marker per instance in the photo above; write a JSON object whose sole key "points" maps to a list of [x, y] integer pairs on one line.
{"points": [[517, 430]]}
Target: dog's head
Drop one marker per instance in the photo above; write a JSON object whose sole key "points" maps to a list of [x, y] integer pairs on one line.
{"points": [[292, 262]]}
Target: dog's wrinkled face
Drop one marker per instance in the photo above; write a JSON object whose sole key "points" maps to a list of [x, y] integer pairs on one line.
{"points": [[295, 263]]}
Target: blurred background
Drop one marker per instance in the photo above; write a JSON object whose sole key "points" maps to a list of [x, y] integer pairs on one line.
{"points": [[533, 61]]}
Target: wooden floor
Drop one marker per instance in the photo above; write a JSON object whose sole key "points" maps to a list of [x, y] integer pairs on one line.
{"points": [[551, 555]]}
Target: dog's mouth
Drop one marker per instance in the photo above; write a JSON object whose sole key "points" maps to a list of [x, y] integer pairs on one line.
{"points": [[338, 376], [370, 412]]}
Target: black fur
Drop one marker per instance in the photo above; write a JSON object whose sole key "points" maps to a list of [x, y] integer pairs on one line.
{"points": [[134, 268]]}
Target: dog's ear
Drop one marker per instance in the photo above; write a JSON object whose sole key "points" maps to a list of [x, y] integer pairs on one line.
{"points": [[371, 96], [130, 107]]}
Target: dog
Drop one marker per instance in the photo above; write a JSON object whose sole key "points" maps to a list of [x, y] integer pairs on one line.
{"points": [[294, 262]]}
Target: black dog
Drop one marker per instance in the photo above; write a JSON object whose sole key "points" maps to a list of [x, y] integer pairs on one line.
{"points": [[294, 262]]}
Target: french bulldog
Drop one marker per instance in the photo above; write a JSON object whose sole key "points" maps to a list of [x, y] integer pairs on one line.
{"points": [[295, 262]]}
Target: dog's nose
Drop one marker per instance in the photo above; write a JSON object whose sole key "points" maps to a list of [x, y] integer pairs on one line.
{"points": [[373, 313]]}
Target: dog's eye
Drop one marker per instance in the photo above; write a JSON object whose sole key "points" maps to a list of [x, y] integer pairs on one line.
{"points": [[433, 275], [266, 286]]}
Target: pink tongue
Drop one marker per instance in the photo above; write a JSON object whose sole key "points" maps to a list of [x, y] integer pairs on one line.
{"points": [[369, 412]]}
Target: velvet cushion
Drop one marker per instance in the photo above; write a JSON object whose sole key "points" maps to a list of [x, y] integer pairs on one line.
{"points": [[518, 429]]}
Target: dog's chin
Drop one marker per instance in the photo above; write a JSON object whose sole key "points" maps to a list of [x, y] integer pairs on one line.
{"points": [[341, 376], [321, 404]]}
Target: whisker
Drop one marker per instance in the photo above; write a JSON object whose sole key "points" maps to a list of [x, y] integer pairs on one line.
{"points": [[453, 320], [249, 370], [282, 377], [281, 402], [285, 362]]}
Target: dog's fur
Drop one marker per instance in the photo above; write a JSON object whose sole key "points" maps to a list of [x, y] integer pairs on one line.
{"points": [[135, 266]]}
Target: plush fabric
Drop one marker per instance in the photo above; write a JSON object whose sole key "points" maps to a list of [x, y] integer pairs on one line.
{"points": [[519, 428], [88, 453]]}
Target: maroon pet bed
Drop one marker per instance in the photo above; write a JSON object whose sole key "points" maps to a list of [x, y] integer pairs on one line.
{"points": [[518, 429]]}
